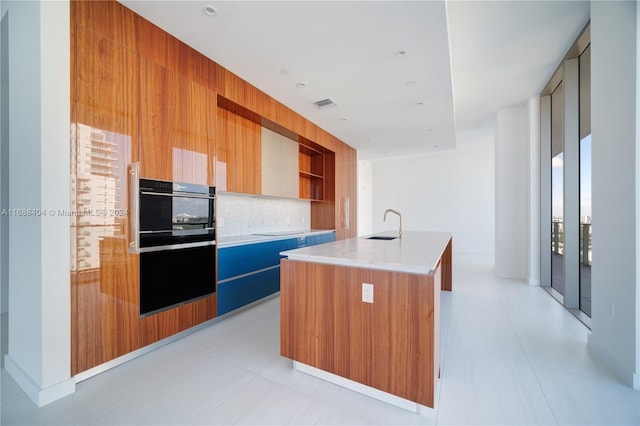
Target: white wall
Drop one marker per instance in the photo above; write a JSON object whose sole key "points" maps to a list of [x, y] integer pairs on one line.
{"points": [[443, 191], [615, 316], [512, 192], [39, 355]]}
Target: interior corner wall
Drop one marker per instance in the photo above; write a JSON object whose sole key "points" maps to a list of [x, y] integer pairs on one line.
{"points": [[39, 356], [512, 192], [443, 191], [614, 286]]}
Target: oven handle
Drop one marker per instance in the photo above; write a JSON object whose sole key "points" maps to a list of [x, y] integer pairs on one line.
{"points": [[134, 206], [174, 194], [168, 247]]}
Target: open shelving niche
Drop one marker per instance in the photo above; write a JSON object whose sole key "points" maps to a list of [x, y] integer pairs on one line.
{"points": [[313, 159]]}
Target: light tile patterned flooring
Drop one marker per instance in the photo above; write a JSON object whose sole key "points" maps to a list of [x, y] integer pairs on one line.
{"points": [[511, 355]]}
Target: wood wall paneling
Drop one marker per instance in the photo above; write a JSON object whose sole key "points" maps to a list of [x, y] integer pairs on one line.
{"points": [[177, 126], [137, 91], [104, 307], [108, 18], [238, 155], [389, 344]]}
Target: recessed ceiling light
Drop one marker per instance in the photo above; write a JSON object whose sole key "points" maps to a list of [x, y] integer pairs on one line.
{"points": [[284, 71], [400, 53], [301, 85], [419, 104], [210, 10], [343, 119], [436, 146], [411, 83]]}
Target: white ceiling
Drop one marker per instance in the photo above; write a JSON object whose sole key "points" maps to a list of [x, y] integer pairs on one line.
{"points": [[464, 60]]}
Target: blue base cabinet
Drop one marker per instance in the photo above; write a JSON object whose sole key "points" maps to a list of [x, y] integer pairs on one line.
{"points": [[249, 272]]}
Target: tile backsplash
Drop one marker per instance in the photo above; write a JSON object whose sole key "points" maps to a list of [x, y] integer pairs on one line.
{"points": [[238, 214]]}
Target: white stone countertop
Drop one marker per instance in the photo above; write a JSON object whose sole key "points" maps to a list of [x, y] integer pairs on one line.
{"points": [[417, 252], [261, 237]]}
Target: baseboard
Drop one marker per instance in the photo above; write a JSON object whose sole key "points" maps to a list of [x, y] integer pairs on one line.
{"points": [[363, 389], [39, 396], [533, 282], [629, 378]]}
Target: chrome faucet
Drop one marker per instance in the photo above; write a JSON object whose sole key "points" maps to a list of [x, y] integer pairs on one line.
{"points": [[399, 215]]}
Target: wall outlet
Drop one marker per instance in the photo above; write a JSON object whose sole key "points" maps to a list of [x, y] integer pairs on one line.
{"points": [[367, 292], [220, 222]]}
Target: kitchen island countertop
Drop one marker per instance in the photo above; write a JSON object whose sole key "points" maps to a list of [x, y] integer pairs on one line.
{"points": [[417, 252]]}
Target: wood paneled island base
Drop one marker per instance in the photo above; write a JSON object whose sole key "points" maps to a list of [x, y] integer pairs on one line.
{"points": [[392, 344]]}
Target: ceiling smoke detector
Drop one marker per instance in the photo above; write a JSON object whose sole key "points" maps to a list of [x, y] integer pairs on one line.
{"points": [[326, 103]]}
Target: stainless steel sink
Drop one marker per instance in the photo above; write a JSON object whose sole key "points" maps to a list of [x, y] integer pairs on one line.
{"points": [[381, 237]]}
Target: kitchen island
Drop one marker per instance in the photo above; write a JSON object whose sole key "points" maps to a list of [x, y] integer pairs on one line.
{"points": [[365, 313]]}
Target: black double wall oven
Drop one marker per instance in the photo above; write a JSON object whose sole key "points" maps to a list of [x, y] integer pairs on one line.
{"points": [[175, 238]]}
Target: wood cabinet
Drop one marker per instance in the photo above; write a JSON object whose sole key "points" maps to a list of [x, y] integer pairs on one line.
{"points": [[346, 192], [177, 127], [392, 345], [238, 157], [139, 94], [105, 140]]}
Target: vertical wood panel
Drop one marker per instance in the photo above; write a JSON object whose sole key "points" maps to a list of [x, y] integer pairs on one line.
{"points": [[238, 154], [108, 18], [104, 276], [176, 126], [173, 98], [446, 267], [390, 344]]}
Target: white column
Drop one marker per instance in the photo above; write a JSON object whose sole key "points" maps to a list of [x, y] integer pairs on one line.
{"points": [[545, 191], [534, 191], [39, 357], [614, 84], [512, 193]]}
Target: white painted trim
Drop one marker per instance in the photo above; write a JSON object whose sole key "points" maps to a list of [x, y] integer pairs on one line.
{"points": [[39, 396], [363, 389], [534, 191], [629, 378]]}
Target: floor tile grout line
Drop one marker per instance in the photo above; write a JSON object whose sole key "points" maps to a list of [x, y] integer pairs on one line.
{"points": [[528, 359]]}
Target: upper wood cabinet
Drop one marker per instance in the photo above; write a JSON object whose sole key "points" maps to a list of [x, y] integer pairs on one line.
{"points": [[177, 127], [238, 159]]}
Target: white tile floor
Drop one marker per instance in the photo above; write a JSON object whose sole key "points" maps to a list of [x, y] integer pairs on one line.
{"points": [[511, 355]]}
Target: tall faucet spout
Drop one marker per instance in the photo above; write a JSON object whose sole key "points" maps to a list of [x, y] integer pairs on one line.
{"points": [[399, 215]]}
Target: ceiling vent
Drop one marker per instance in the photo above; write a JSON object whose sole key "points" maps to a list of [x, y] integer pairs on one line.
{"points": [[326, 103]]}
